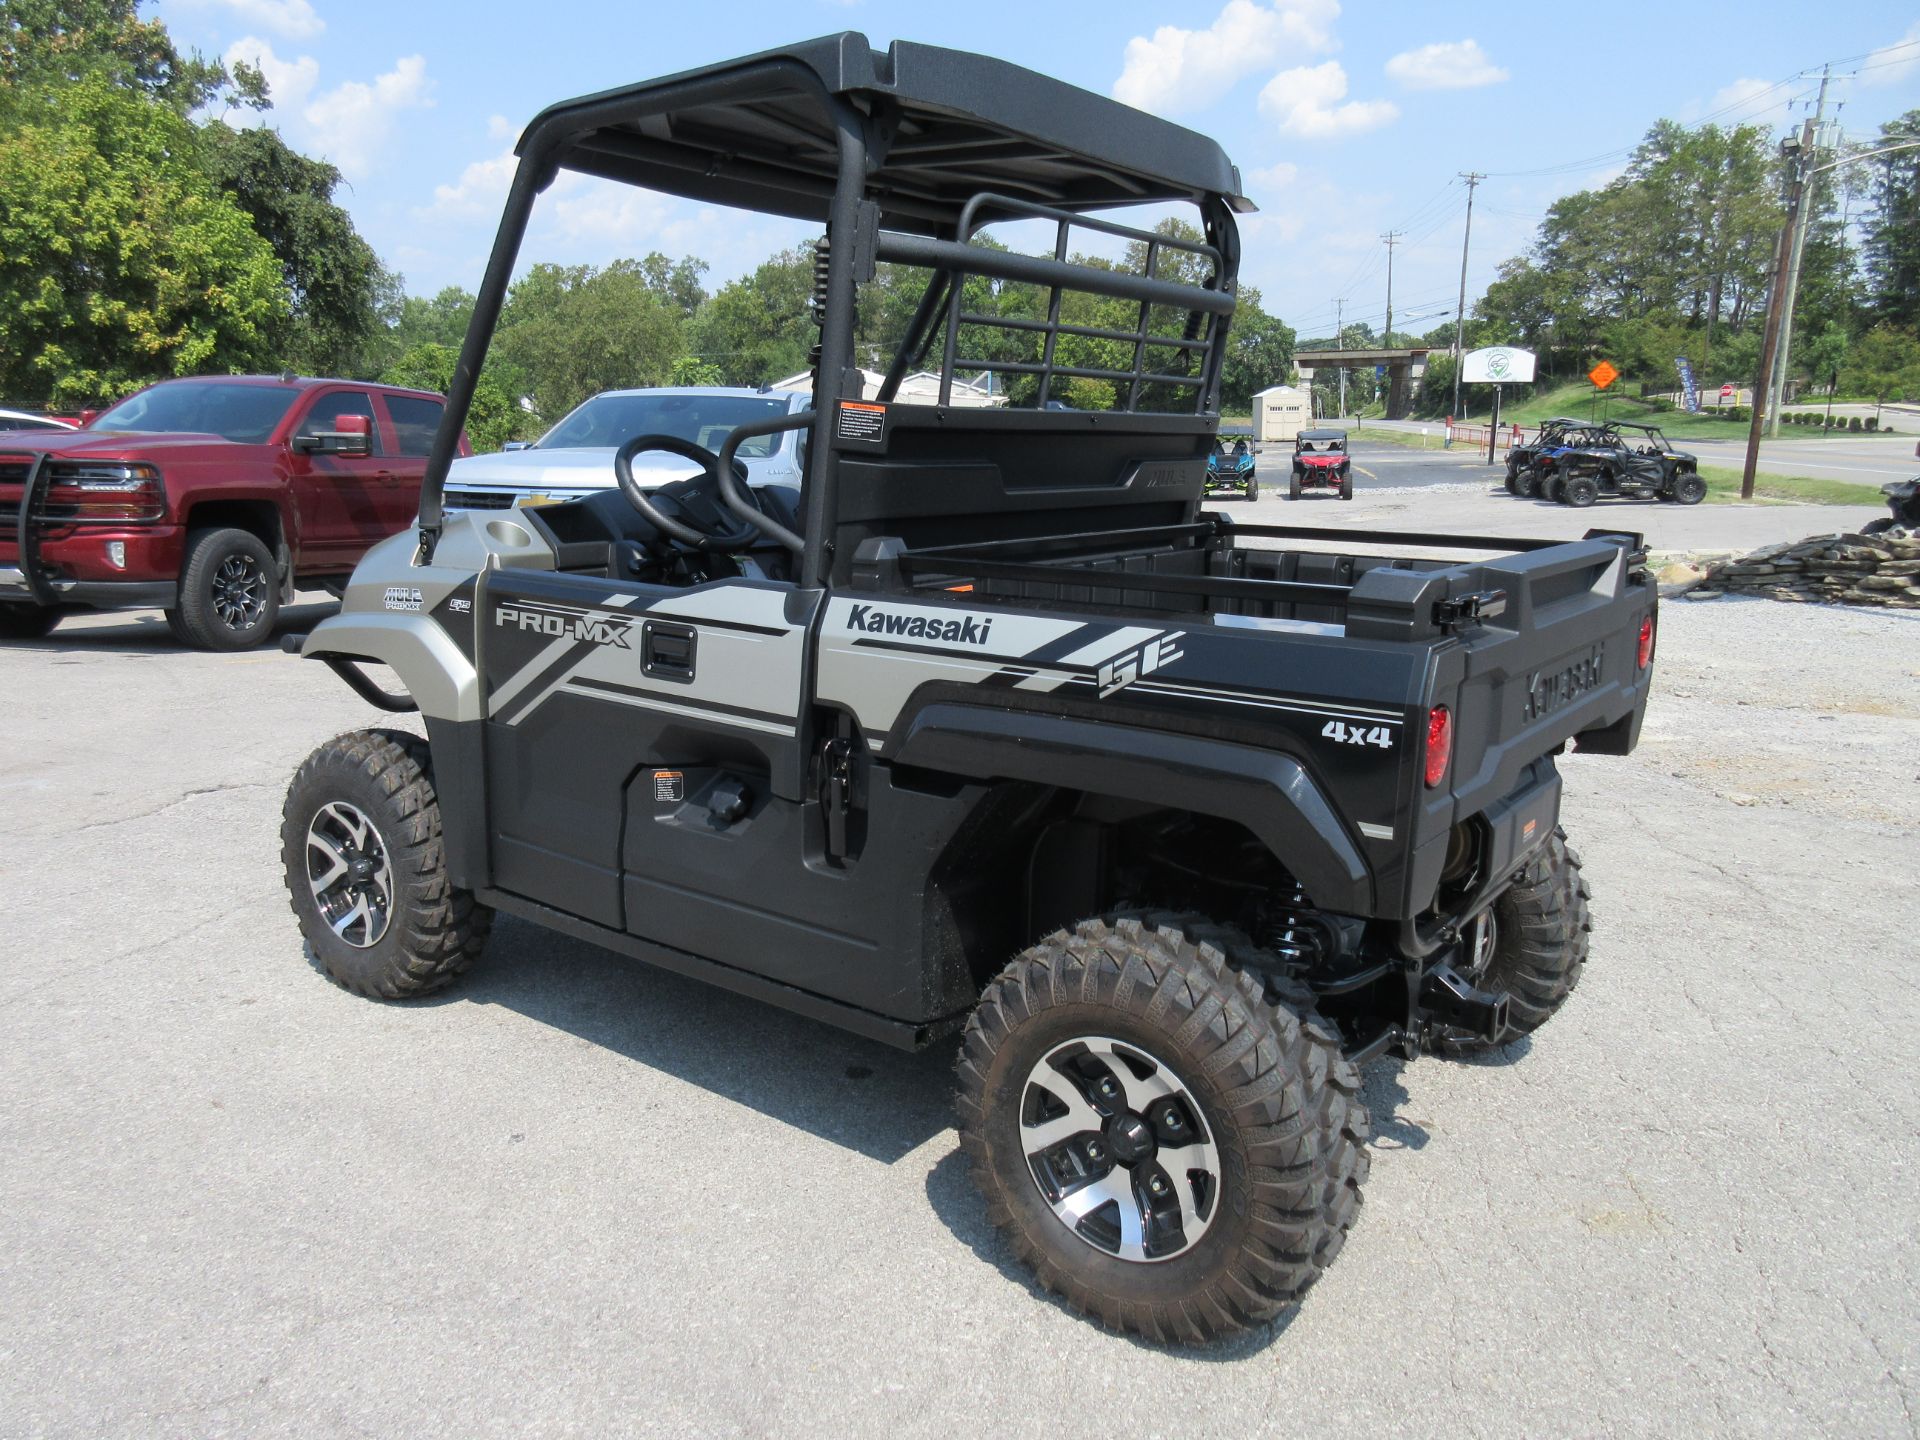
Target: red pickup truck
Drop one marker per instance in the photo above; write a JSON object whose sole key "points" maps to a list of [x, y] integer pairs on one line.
{"points": [[209, 498]]}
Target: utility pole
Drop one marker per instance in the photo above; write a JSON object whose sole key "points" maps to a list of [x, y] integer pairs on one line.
{"points": [[1473, 178], [1801, 160], [1339, 339], [1777, 377], [1392, 237]]}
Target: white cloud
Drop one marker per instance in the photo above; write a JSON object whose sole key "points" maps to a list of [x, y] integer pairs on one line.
{"points": [[293, 18], [501, 128], [481, 188], [1179, 69], [1447, 65], [1276, 177], [289, 82], [351, 122], [1305, 102], [1892, 63]]}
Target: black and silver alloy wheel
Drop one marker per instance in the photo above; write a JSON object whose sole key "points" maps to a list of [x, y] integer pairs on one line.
{"points": [[1117, 1145], [350, 874], [239, 592], [366, 869], [1163, 1126]]}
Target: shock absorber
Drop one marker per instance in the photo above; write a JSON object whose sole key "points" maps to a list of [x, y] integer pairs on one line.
{"points": [[1295, 931], [822, 258]]}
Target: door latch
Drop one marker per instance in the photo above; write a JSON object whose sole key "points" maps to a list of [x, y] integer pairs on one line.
{"points": [[836, 760]]}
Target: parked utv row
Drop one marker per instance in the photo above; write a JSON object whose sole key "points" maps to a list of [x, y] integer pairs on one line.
{"points": [[1579, 463]]}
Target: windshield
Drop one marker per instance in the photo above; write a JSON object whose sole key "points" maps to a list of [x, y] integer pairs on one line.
{"points": [[246, 414], [612, 420]]}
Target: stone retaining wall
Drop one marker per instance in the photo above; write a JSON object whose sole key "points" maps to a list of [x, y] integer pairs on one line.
{"points": [[1881, 570]]}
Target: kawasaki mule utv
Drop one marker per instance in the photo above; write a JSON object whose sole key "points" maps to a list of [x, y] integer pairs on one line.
{"points": [[989, 728]]}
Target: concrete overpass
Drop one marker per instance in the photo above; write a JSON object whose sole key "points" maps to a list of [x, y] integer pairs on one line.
{"points": [[1404, 369]]}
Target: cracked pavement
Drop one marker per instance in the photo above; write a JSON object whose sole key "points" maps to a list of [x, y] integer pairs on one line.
{"points": [[575, 1197]]}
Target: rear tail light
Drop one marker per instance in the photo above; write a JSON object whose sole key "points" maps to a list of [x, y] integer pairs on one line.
{"points": [[103, 493], [1439, 744], [1646, 642]]}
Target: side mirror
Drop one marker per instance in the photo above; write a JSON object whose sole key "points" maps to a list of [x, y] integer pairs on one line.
{"points": [[354, 437], [517, 445]]}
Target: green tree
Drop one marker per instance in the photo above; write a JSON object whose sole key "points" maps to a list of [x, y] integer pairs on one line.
{"points": [[1259, 353], [759, 329], [1893, 227], [332, 275], [1884, 364], [574, 331], [492, 419], [688, 370], [45, 44], [121, 259]]}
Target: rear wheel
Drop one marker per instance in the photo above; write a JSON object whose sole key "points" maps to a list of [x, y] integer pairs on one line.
{"points": [[1580, 491], [1689, 489], [1513, 482], [1174, 1149], [366, 869], [1531, 944], [27, 622], [229, 590]]}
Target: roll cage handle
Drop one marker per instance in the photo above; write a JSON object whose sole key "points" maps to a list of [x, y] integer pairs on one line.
{"points": [[730, 491]]}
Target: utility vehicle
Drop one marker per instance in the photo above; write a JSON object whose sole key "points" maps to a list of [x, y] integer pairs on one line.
{"points": [[993, 730], [1321, 462], [1635, 462], [1540, 471], [1233, 469], [1519, 457]]}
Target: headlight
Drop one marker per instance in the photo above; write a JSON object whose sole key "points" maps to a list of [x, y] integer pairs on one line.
{"points": [[93, 492]]}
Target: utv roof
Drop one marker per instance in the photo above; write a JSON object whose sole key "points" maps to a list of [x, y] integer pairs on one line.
{"points": [[941, 126], [1321, 435]]}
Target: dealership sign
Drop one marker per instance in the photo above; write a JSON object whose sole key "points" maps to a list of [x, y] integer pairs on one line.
{"points": [[1497, 365]]}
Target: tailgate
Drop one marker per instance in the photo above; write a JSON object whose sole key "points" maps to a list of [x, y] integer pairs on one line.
{"points": [[1561, 661]]}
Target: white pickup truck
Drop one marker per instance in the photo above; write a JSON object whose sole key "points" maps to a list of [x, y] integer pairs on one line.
{"points": [[575, 457]]}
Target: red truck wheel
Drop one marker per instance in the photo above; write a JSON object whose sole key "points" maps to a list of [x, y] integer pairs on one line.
{"points": [[229, 590]]}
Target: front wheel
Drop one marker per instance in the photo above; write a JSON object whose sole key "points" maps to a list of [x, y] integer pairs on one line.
{"points": [[1531, 944], [1580, 491], [1689, 489], [1253, 490], [366, 869], [1174, 1149], [1293, 488], [27, 622], [1346, 487], [229, 590]]}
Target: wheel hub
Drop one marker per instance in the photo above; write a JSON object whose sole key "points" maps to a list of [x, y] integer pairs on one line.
{"points": [[1117, 1145], [1130, 1138], [349, 874]]}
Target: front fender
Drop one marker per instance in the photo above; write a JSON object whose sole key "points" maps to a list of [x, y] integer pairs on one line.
{"points": [[440, 678], [1271, 794]]}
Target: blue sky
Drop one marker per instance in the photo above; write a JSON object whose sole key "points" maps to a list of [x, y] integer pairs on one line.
{"points": [[1346, 119]]}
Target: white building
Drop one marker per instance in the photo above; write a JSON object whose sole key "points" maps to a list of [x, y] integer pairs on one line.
{"points": [[1281, 412]]}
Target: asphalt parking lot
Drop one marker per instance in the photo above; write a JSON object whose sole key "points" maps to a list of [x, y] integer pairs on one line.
{"points": [[576, 1197]]}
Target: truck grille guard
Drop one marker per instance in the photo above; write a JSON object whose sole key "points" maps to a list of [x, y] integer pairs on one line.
{"points": [[26, 542]]}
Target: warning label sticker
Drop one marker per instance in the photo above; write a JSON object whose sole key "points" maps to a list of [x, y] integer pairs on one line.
{"points": [[669, 787], [862, 423]]}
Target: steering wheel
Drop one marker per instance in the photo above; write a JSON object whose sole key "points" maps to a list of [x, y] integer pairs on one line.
{"points": [[722, 538]]}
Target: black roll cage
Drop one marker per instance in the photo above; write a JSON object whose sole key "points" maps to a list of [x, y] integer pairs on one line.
{"points": [[862, 168]]}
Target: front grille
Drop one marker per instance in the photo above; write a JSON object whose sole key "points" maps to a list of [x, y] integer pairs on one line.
{"points": [[13, 475], [477, 500]]}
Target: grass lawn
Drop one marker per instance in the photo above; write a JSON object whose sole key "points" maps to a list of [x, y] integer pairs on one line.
{"points": [[1576, 400], [1406, 440], [1723, 488]]}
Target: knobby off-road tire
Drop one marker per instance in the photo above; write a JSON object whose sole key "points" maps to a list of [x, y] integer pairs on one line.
{"points": [[229, 590], [27, 622], [1689, 489], [1253, 491], [415, 930], [1580, 491], [1276, 1097], [1346, 487], [1538, 948], [1293, 488]]}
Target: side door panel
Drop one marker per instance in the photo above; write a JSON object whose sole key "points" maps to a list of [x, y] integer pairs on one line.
{"points": [[411, 421], [338, 498]]}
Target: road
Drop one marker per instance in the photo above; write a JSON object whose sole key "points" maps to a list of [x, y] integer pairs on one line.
{"points": [[1870, 460], [576, 1197]]}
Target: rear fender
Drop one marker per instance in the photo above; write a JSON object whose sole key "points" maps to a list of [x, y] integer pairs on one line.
{"points": [[1272, 795]]}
